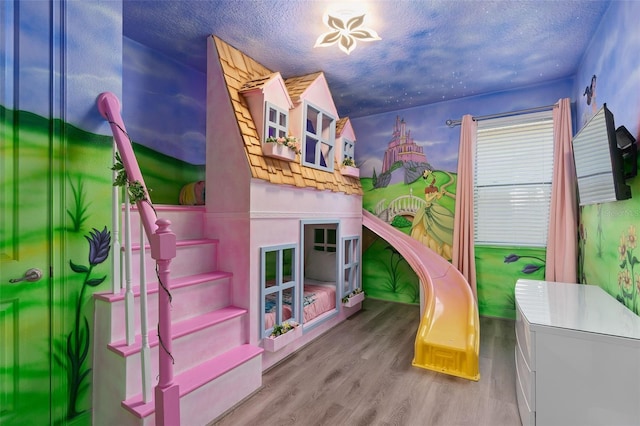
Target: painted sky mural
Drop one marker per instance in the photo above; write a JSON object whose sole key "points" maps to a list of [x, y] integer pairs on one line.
{"points": [[80, 70]]}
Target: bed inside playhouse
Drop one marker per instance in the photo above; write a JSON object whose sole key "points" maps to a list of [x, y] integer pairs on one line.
{"points": [[310, 299]]}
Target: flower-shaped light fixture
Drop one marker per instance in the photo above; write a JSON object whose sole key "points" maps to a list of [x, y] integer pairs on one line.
{"points": [[345, 31]]}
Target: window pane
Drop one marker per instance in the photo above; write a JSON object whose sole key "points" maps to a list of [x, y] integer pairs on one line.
{"points": [[287, 267], [318, 235], [327, 154], [312, 120], [331, 236], [283, 120], [288, 304], [271, 263], [326, 127], [346, 286], [310, 150], [273, 115]]}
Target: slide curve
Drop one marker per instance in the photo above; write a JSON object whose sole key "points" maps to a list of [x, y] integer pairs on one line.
{"points": [[448, 338]]}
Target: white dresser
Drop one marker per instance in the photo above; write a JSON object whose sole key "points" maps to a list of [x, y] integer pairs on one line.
{"points": [[577, 356]]}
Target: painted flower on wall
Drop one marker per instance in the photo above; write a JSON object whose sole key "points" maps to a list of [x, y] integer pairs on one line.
{"points": [[628, 278], [529, 268], [73, 353]]}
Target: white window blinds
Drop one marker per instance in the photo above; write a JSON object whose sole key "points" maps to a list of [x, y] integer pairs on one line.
{"points": [[512, 180]]}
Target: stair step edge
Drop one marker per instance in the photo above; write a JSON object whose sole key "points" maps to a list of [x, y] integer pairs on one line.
{"points": [[180, 329], [152, 287], [198, 376]]}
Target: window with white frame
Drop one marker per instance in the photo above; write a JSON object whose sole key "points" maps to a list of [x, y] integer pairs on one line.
{"points": [[319, 138], [348, 149], [276, 121], [278, 286], [512, 180], [350, 265]]}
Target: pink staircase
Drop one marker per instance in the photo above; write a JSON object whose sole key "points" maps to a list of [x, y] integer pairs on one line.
{"points": [[214, 366], [174, 351]]}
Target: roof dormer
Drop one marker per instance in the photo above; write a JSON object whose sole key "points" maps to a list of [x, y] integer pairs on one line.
{"points": [[345, 147], [269, 105], [313, 119]]}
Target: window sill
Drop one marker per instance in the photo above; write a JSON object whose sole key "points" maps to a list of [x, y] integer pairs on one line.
{"points": [[275, 150], [277, 343], [350, 171]]}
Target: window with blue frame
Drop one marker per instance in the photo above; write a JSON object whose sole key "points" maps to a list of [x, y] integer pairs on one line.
{"points": [[278, 297], [348, 150], [276, 121], [319, 138], [350, 265]]}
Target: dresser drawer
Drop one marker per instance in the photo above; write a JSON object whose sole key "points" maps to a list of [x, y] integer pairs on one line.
{"points": [[527, 416], [525, 339], [527, 379]]}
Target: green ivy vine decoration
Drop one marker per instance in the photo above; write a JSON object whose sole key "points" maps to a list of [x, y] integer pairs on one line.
{"points": [[135, 189]]}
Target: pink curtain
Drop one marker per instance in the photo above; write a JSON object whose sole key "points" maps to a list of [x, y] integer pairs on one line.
{"points": [[463, 252], [562, 240]]}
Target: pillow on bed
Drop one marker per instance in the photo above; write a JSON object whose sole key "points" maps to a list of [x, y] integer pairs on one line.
{"points": [[321, 266]]}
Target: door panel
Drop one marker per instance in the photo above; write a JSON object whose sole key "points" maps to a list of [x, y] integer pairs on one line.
{"points": [[25, 306]]}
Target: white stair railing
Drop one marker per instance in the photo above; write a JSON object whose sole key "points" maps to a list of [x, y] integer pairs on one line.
{"points": [[145, 352]]}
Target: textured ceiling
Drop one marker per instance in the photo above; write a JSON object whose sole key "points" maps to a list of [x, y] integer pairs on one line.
{"points": [[430, 51]]}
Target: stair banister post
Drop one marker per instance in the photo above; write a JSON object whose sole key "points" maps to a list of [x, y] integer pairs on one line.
{"points": [[167, 394]]}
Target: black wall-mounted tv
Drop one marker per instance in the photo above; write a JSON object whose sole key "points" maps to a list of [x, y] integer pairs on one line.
{"points": [[600, 161]]}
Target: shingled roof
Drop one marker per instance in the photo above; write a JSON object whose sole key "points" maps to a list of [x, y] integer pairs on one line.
{"points": [[340, 125], [241, 72]]}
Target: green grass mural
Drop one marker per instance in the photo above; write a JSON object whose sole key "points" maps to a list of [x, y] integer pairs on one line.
{"points": [[385, 273]]}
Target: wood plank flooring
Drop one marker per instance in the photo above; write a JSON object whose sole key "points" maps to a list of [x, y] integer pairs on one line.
{"points": [[360, 373]]}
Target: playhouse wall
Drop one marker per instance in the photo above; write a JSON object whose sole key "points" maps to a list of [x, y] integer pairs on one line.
{"points": [[228, 173], [276, 212]]}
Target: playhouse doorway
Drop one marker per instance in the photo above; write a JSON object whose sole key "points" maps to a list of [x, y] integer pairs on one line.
{"points": [[319, 256]]}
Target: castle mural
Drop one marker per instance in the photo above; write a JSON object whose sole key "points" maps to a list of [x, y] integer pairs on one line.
{"points": [[402, 147]]}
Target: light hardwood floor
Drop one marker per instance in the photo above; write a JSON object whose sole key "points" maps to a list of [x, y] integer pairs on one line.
{"points": [[360, 373]]}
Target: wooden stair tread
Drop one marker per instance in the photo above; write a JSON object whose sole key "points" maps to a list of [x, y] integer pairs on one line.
{"points": [[152, 287], [180, 329], [198, 376]]}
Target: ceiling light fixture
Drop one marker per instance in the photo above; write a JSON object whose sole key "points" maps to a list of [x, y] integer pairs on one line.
{"points": [[346, 28]]}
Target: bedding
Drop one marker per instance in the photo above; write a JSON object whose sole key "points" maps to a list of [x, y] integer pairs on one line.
{"points": [[319, 297]]}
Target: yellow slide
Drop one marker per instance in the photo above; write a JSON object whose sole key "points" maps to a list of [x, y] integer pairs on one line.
{"points": [[448, 338]]}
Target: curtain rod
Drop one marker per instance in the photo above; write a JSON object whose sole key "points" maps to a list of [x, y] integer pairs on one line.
{"points": [[453, 123]]}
